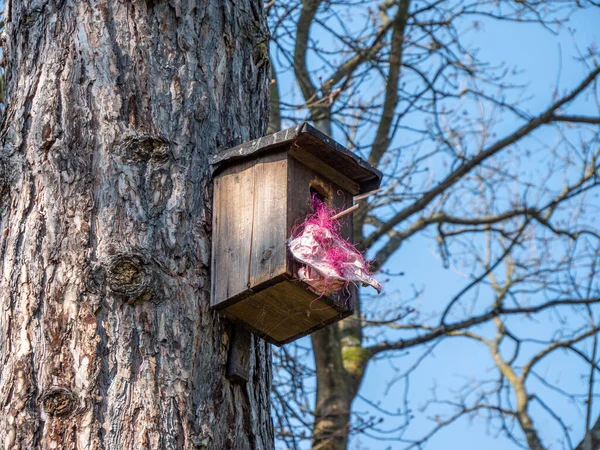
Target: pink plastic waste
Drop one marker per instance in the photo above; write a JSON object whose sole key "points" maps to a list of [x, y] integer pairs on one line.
{"points": [[329, 261]]}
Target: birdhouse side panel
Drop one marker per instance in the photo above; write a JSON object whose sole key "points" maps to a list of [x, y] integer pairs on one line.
{"points": [[318, 166], [303, 183]]}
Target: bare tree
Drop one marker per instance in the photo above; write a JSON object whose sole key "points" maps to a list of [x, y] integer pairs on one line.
{"points": [[512, 211], [112, 111]]}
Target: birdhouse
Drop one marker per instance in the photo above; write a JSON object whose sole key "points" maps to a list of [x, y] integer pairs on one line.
{"points": [[262, 190]]}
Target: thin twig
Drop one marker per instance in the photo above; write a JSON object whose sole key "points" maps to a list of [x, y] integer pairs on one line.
{"points": [[344, 212], [367, 194]]}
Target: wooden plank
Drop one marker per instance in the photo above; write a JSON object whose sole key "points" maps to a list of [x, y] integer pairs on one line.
{"points": [[232, 234], [299, 202], [238, 358], [345, 299], [284, 312], [312, 142], [327, 171], [255, 147], [362, 172], [269, 247], [346, 162], [301, 179]]}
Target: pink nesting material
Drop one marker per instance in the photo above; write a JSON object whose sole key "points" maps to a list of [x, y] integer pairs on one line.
{"points": [[329, 261]]}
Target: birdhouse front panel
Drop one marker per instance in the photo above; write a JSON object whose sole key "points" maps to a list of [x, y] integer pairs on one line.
{"points": [[260, 198], [249, 227]]}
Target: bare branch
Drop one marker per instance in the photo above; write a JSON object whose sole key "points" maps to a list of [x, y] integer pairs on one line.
{"points": [[470, 164], [382, 138]]}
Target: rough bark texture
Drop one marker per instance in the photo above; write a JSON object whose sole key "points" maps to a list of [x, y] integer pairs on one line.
{"points": [[333, 399], [114, 107]]}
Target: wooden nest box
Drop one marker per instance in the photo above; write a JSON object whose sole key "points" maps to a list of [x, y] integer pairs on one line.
{"points": [[262, 189]]}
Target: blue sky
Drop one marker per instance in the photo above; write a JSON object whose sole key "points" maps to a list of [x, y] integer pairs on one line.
{"points": [[543, 60], [539, 55]]}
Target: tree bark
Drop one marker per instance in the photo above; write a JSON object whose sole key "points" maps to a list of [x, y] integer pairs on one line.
{"points": [[340, 362], [591, 440], [333, 400], [106, 340]]}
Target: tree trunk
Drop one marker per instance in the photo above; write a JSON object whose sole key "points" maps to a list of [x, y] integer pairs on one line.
{"points": [[114, 107], [333, 400], [340, 361]]}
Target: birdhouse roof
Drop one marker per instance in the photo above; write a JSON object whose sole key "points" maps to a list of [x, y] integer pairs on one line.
{"points": [[310, 143]]}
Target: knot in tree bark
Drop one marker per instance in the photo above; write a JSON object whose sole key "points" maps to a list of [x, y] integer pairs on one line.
{"points": [[59, 402], [134, 278], [142, 148]]}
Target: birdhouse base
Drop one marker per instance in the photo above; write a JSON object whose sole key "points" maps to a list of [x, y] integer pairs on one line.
{"points": [[262, 311]]}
